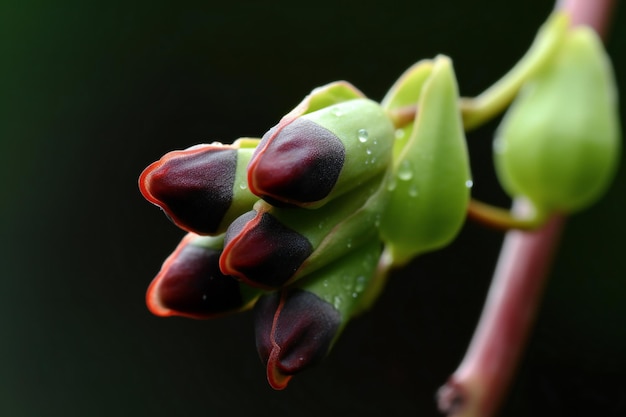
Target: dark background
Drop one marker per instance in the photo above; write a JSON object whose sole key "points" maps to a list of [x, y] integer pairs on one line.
{"points": [[92, 92]]}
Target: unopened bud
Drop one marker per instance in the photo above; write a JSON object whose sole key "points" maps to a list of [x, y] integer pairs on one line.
{"points": [[190, 283], [203, 188], [272, 246], [296, 327], [310, 158], [559, 143]]}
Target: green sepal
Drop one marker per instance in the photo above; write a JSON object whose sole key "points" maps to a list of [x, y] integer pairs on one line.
{"points": [[333, 230], [428, 184], [559, 143], [243, 199], [323, 96], [367, 135], [345, 282], [406, 92]]}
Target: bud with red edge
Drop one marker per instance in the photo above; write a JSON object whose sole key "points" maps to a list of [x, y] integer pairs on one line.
{"points": [[270, 246], [296, 327], [335, 140], [190, 283], [203, 188]]}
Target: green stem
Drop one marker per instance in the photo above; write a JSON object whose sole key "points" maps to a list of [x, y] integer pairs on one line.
{"points": [[496, 98], [503, 219]]}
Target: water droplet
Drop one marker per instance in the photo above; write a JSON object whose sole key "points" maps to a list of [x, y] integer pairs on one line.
{"points": [[469, 183], [355, 294], [377, 218], [405, 172], [337, 112], [243, 186], [399, 134], [349, 244], [337, 302], [360, 284], [325, 283], [392, 184], [321, 225], [363, 135], [413, 191], [368, 151]]}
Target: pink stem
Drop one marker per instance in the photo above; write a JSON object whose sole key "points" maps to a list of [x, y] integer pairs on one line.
{"points": [[477, 387], [479, 384], [594, 13]]}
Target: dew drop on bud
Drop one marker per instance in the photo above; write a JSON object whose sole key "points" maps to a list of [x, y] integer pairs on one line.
{"points": [[405, 172], [363, 135]]}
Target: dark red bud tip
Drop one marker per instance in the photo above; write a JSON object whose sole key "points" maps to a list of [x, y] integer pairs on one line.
{"points": [[294, 330], [194, 187], [263, 252], [190, 284], [296, 164]]}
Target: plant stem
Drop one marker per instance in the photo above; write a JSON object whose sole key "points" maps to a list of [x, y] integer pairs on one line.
{"points": [[495, 99], [478, 386], [503, 219]]}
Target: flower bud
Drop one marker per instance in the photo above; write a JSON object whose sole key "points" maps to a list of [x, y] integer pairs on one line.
{"points": [[428, 183], [190, 283], [270, 246], [203, 188], [296, 327], [558, 145], [311, 157]]}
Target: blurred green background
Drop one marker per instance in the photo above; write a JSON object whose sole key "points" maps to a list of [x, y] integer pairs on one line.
{"points": [[92, 92]]}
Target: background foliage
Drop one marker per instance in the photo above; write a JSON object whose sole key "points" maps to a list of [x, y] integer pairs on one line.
{"points": [[91, 92]]}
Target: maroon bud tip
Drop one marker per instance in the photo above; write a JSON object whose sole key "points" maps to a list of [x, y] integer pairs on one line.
{"points": [[190, 284], [296, 164], [194, 187], [294, 330], [263, 252]]}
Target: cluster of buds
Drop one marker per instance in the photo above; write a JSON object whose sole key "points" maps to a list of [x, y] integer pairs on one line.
{"points": [[303, 224]]}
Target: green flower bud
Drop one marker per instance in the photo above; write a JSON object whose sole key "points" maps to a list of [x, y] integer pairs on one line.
{"points": [[272, 246], [311, 157], [202, 189], [558, 145], [190, 283], [297, 326], [428, 184]]}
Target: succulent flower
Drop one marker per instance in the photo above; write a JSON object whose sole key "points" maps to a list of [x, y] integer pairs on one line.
{"points": [[305, 224], [297, 235], [203, 188]]}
